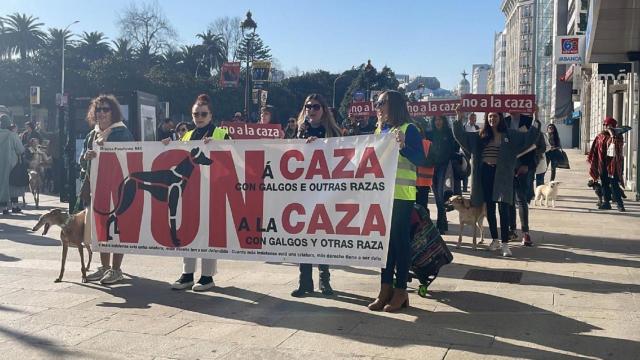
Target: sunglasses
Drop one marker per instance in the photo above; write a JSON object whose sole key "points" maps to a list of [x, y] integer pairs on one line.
{"points": [[292, 121], [379, 103], [103, 110], [200, 114], [315, 107]]}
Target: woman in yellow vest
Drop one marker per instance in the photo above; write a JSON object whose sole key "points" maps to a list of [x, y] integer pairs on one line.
{"points": [[202, 113], [393, 117]]}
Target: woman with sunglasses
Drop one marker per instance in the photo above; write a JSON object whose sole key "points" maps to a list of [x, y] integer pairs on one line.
{"points": [[105, 113], [181, 129], [394, 118], [315, 121], [205, 130], [494, 150]]}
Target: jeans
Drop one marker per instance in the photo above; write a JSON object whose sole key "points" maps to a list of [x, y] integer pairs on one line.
{"points": [[399, 252], [488, 174], [540, 179], [422, 197], [522, 191], [611, 187], [554, 165], [306, 272], [465, 183], [438, 190]]}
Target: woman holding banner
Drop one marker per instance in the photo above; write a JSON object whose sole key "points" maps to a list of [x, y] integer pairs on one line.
{"points": [[105, 113], [315, 120], [205, 130], [393, 117], [494, 151]]}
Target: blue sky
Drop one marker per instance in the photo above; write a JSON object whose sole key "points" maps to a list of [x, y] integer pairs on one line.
{"points": [[428, 37]]}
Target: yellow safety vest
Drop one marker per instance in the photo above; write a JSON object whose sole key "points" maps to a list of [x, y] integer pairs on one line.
{"points": [[405, 188], [218, 134]]}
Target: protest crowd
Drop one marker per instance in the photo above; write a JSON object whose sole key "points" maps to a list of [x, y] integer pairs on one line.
{"points": [[502, 160]]}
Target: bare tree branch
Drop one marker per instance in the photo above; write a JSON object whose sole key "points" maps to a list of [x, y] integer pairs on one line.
{"points": [[147, 27]]}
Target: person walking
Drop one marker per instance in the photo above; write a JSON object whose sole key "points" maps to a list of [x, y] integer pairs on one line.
{"points": [[315, 121], [554, 149], [165, 130], [394, 119], [11, 149], [494, 150], [205, 130], [104, 112], [442, 151], [606, 164]]}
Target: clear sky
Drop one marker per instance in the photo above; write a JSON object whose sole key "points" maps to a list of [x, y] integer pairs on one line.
{"points": [[420, 37]]}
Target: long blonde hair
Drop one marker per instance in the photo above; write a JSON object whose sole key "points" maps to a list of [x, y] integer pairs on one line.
{"points": [[327, 121]]}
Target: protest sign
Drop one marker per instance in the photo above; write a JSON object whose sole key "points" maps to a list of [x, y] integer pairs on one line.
{"points": [[361, 108], [242, 130], [230, 74], [326, 202], [498, 103], [433, 107]]}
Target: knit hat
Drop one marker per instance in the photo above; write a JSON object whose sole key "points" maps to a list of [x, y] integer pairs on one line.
{"points": [[609, 121]]}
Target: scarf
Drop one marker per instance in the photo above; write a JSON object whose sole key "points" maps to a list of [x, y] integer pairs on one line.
{"points": [[103, 135]]}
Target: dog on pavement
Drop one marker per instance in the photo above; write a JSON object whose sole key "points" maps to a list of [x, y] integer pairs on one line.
{"points": [[72, 235], [469, 215], [35, 184], [549, 192], [164, 185]]}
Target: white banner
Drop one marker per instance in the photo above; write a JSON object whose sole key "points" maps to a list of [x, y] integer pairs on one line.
{"points": [[327, 202], [569, 49]]}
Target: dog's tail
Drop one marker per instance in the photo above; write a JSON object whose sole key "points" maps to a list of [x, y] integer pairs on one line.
{"points": [[117, 204]]}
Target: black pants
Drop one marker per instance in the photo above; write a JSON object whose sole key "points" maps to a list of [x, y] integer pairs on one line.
{"points": [[540, 179], [422, 197], [554, 165], [306, 272], [439, 174], [488, 175], [522, 191], [610, 187], [465, 183], [399, 252]]}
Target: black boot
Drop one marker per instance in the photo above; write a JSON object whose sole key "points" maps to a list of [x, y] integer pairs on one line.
{"points": [[325, 286], [174, 233], [305, 284]]}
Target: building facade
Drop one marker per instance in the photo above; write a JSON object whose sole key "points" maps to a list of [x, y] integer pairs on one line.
{"points": [[519, 31], [499, 62], [479, 78], [544, 57]]}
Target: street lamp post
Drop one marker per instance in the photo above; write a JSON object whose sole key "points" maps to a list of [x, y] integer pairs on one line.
{"points": [[248, 24], [62, 183], [334, 90]]}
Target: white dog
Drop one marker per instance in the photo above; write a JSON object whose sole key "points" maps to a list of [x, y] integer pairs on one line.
{"points": [[473, 216], [549, 192]]}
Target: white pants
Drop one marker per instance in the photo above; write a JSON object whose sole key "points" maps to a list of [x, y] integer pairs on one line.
{"points": [[209, 266]]}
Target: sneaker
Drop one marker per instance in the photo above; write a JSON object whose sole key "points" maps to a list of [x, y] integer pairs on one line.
{"points": [[621, 208], [16, 210], [5, 212], [506, 252], [495, 245], [205, 283], [112, 276], [513, 235], [184, 282], [98, 274], [526, 240]]}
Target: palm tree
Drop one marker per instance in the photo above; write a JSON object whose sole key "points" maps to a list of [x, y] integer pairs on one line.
{"points": [[93, 46], [192, 58], [23, 34], [214, 49], [4, 50], [56, 37], [122, 49], [172, 59]]}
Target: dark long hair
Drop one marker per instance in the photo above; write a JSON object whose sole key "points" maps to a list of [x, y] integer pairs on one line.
{"points": [[555, 137], [114, 105], [486, 134], [398, 113]]}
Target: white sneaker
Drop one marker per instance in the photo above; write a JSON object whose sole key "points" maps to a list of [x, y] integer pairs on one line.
{"points": [[495, 245], [205, 283], [98, 274], [112, 276], [505, 250]]}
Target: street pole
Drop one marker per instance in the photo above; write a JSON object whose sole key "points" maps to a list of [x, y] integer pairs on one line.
{"points": [[247, 24], [334, 90], [62, 180]]}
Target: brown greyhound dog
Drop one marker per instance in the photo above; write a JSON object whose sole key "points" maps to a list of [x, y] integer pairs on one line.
{"points": [[72, 234]]}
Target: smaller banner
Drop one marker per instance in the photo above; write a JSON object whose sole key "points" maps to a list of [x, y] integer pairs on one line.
{"points": [[260, 72], [34, 95], [230, 74], [433, 107], [498, 103], [242, 130], [569, 49], [362, 108]]}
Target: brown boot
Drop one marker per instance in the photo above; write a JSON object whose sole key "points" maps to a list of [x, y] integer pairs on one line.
{"points": [[386, 291], [399, 300]]}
